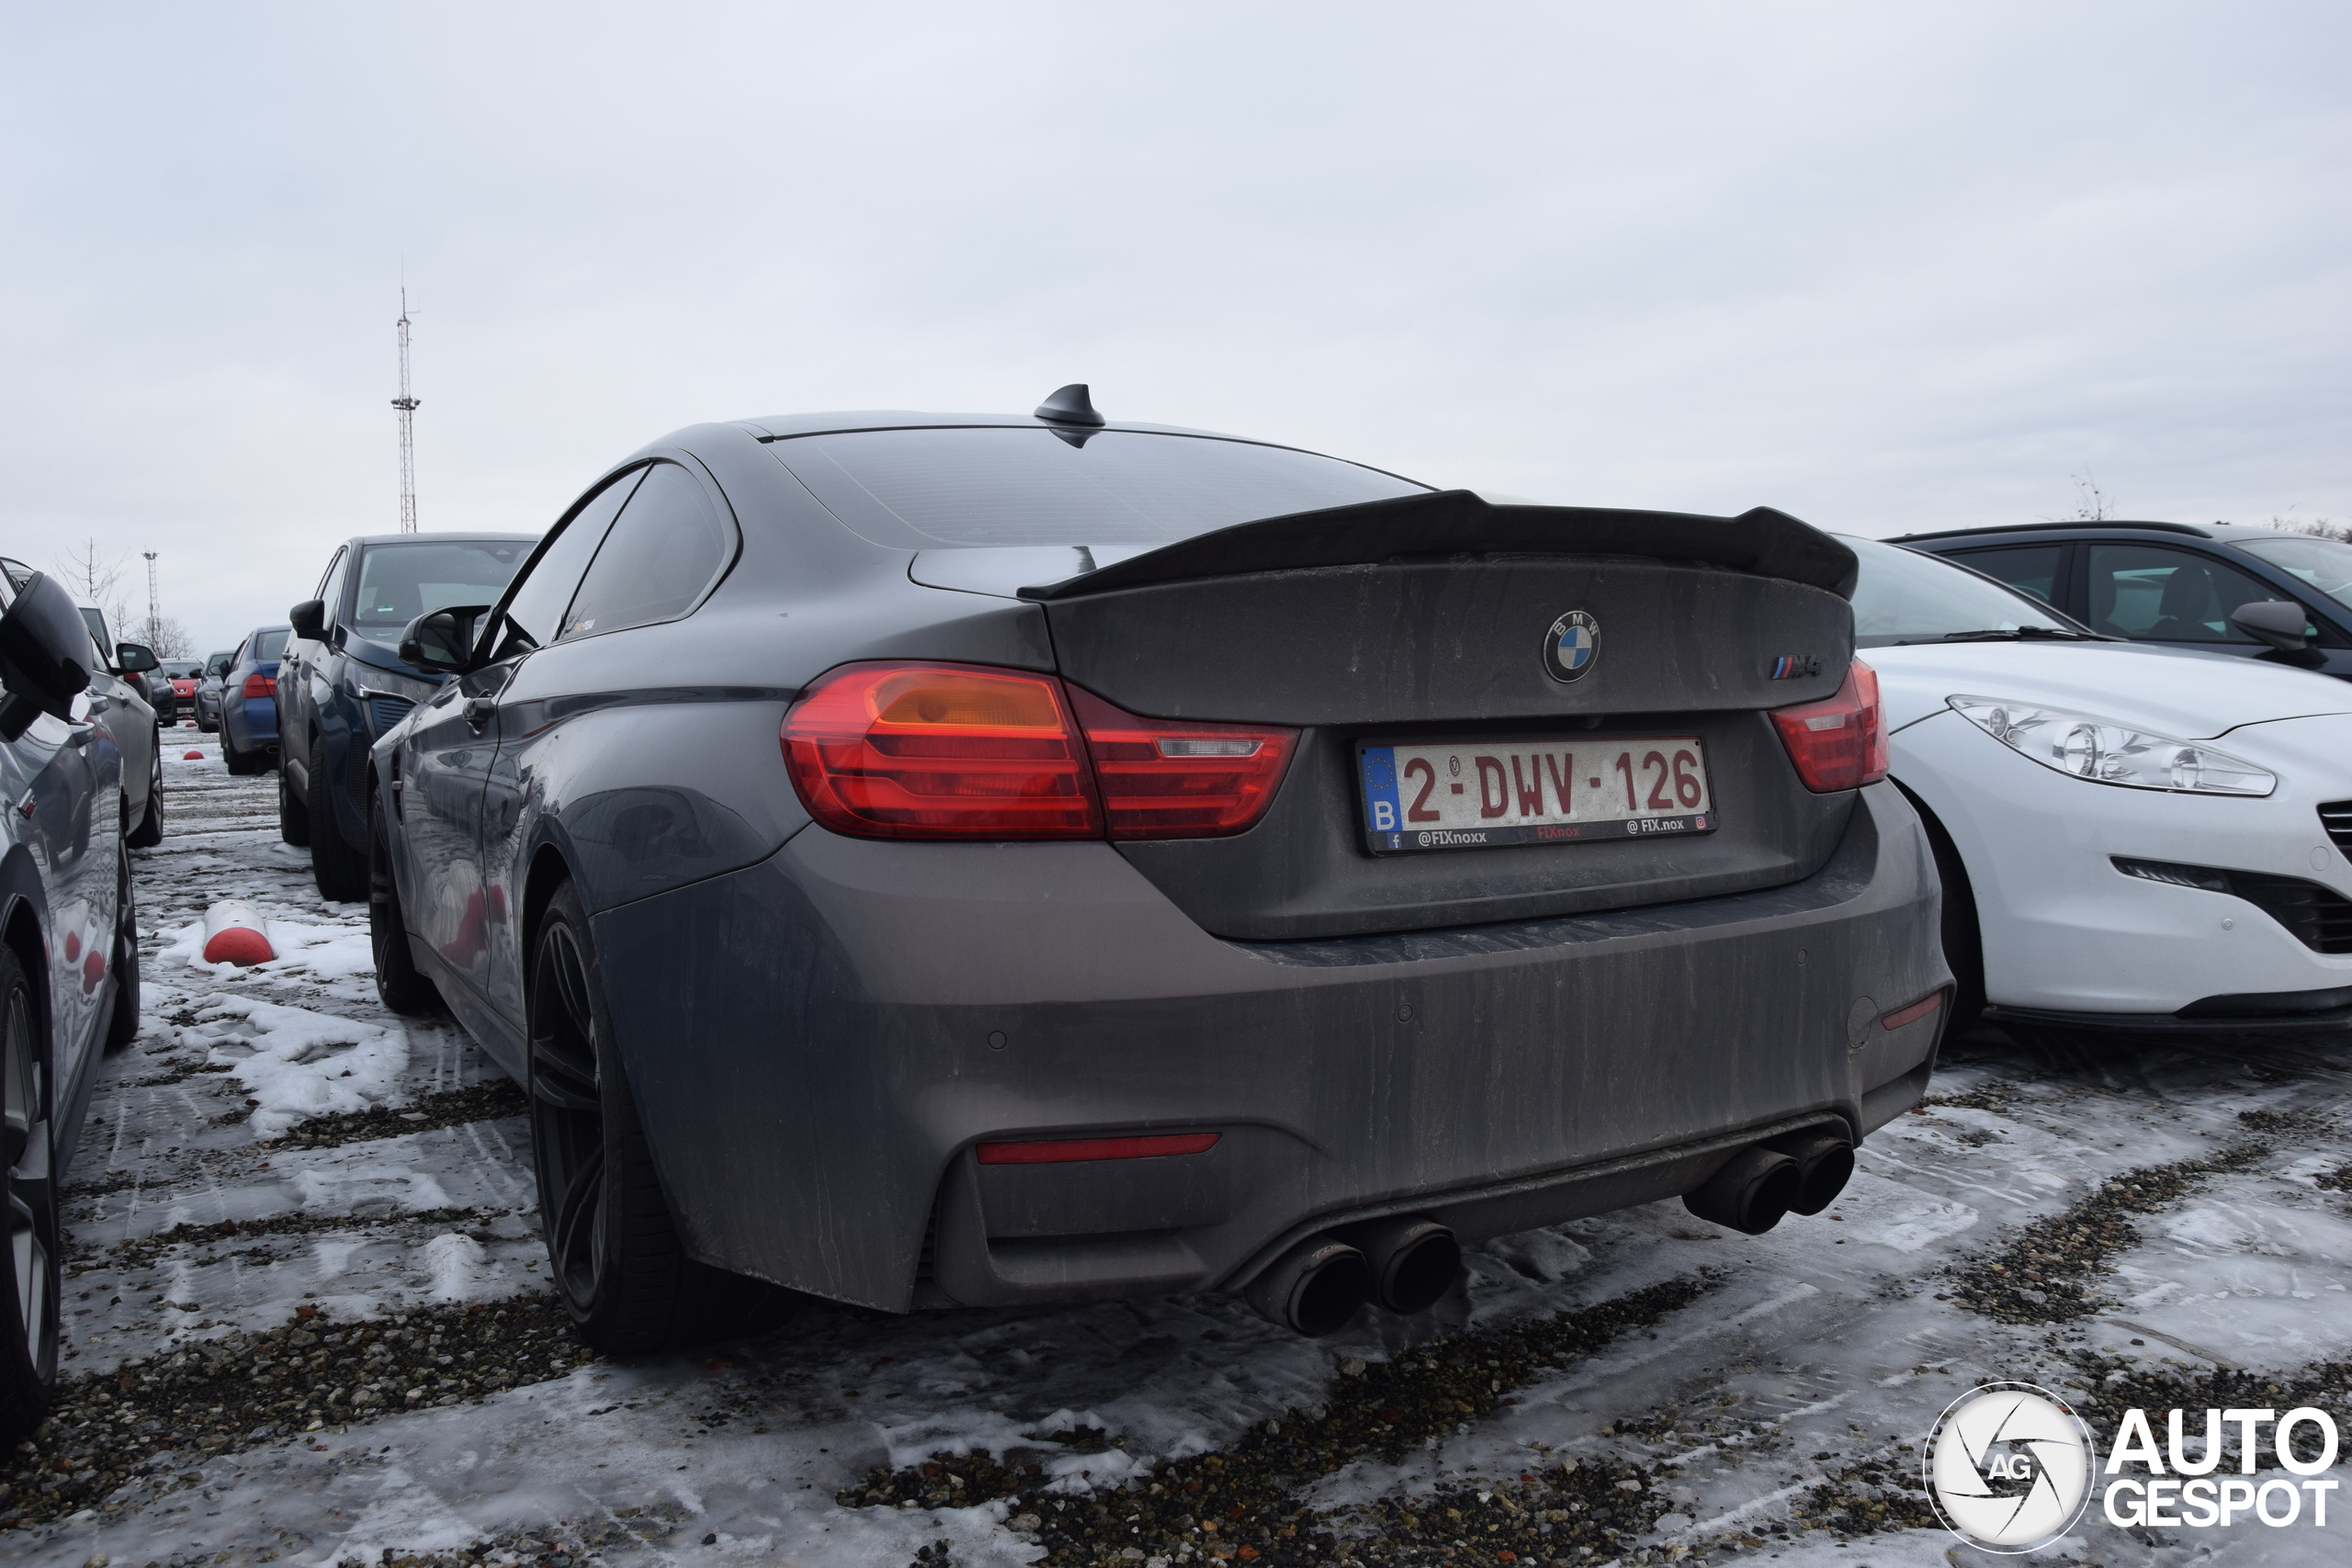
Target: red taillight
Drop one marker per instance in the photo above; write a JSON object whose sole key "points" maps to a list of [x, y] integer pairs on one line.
{"points": [[1840, 742], [955, 751], [1057, 1151], [260, 685], [939, 752], [1161, 779]]}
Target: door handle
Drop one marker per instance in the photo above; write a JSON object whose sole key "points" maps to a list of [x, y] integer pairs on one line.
{"points": [[481, 710]]}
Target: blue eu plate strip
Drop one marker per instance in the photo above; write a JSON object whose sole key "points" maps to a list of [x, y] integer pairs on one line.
{"points": [[1381, 809]]}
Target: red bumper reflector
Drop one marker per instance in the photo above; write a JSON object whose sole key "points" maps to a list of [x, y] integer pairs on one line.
{"points": [[1913, 1013], [1057, 1151]]}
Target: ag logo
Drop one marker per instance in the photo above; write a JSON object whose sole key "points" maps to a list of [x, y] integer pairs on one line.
{"points": [[2008, 1468], [1571, 646]]}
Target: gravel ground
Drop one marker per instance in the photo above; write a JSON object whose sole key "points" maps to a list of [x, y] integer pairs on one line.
{"points": [[308, 1324]]}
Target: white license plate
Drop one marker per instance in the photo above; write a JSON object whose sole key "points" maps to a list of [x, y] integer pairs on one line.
{"points": [[1481, 794]]}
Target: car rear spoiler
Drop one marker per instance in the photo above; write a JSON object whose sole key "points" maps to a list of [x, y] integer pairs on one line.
{"points": [[1450, 523]]}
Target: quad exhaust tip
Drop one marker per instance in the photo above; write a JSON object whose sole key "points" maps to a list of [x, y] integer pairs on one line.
{"points": [[1406, 1263], [1414, 1260], [1825, 1164], [1315, 1287], [1801, 1173]]}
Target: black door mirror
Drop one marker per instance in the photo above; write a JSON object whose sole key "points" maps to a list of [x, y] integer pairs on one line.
{"points": [[310, 618], [45, 655], [133, 658], [441, 642], [2279, 622]]}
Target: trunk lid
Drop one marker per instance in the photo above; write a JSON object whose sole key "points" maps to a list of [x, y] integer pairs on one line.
{"points": [[1426, 620]]}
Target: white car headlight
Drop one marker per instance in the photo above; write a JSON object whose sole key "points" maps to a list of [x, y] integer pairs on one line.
{"points": [[2106, 751]]}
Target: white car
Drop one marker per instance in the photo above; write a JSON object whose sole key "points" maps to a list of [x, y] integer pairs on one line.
{"points": [[2133, 839]]}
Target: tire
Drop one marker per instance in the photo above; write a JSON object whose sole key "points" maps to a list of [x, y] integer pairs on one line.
{"points": [[30, 1280], [149, 832], [293, 817], [618, 1264], [238, 762], [123, 1023], [339, 870], [398, 982]]}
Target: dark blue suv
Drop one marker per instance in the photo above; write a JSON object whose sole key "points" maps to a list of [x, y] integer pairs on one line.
{"points": [[342, 683]]}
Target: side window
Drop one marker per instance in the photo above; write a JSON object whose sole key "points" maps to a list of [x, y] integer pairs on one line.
{"points": [[331, 585], [2029, 569], [668, 547], [2157, 594], [535, 613]]}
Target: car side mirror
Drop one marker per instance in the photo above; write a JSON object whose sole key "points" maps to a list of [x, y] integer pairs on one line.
{"points": [[2279, 622], [442, 641], [133, 658], [45, 653], [310, 618]]}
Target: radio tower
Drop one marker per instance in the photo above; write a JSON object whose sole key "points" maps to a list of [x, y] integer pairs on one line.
{"points": [[153, 609], [407, 405]]}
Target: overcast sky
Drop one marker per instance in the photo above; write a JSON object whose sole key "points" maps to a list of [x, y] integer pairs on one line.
{"points": [[1883, 267]]}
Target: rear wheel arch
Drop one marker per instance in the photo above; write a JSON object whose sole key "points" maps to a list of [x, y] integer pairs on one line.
{"points": [[550, 871], [20, 930]]}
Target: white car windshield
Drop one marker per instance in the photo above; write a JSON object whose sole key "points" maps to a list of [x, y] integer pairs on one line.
{"points": [[2326, 564], [1904, 596]]}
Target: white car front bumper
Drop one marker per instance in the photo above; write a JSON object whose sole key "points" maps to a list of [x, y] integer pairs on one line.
{"points": [[2065, 931]]}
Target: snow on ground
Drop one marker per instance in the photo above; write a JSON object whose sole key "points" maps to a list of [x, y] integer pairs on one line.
{"points": [[1827, 1344]]}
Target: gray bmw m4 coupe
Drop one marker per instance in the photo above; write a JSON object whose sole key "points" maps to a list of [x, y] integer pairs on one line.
{"points": [[918, 860]]}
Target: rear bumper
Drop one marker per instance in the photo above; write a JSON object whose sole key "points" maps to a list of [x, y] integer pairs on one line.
{"points": [[817, 1044], [251, 722]]}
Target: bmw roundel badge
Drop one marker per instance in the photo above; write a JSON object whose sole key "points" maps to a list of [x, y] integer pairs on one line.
{"points": [[1571, 647]]}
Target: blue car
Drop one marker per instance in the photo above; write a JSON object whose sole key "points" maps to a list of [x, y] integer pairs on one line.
{"points": [[249, 702], [346, 683]]}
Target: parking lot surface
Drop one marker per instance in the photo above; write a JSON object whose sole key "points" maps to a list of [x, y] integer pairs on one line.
{"points": [[307, 1324]]}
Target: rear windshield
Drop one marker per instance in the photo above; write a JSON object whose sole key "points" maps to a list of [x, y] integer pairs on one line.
{"points": [[918, 488], [399, 582], [270, 645]]}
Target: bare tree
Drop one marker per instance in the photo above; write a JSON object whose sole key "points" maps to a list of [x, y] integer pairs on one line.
{"points": [[2319, 527], [86, 573], [169, 639], [2091, 505]]}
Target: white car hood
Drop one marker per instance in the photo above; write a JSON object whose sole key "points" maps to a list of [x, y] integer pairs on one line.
{"points": [[2176, 692]]}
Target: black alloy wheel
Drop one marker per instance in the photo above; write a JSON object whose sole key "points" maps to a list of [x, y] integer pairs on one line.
{"points": [[398, 982], [293, 817], [149, 832], [29, 1261], [619, 1266], [123, 1023], [339, 870]]}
